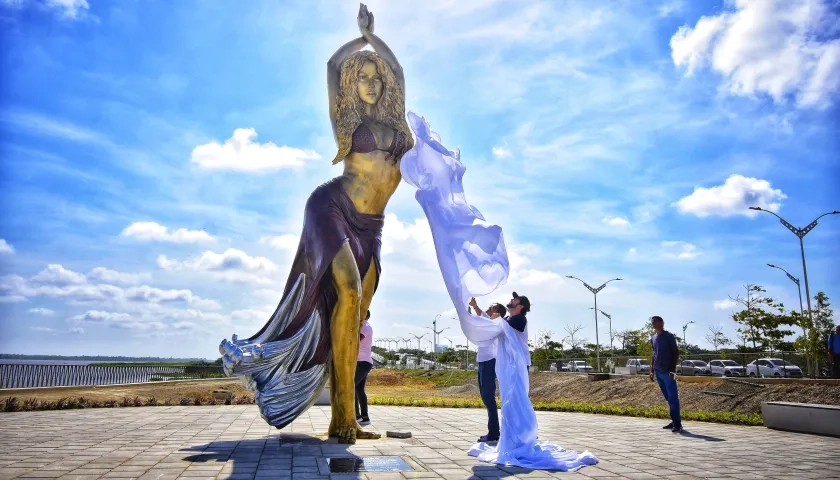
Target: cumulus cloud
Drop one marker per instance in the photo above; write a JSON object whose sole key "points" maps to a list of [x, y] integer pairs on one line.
{"points": [[502, 152], [241, 153], [775, 47], [69, 9], [726, 304], [287, 242], [41, 311], [55, 281], [734, 197], [155, 231], [6, 248], [680, 250], [12, 298], [104, 275], [616, 221], [59, 276], [232, 265]]}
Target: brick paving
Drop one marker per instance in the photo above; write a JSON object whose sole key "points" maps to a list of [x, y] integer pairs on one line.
{"points": [[233, 442]]}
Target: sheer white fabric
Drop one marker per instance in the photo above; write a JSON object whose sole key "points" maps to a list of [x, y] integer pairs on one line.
{"points": [[474, 262]]}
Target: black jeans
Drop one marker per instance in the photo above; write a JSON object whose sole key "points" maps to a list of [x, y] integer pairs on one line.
{"points": [[362, 370], [487, 387], [835, 366]]}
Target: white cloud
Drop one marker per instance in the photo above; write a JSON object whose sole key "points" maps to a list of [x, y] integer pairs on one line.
{"points": [[69, 8], [502, 152], [44, 329], [55, 281], [41, 311], [5, 247], [616, 221], [773, 47], [241, 153], [680, 250], [12, 298], [155, 231], [104, 275], [734, 197], [77, 330], [58, 276], [671, 7], [726, 304], [281, 242], [231, 265]]}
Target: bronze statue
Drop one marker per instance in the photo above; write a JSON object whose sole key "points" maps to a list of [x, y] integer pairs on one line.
{"points": [[315, 331]]}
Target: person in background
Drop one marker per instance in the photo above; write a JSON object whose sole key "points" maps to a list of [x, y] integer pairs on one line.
{"points": [[363, 365], [834, 352], [486, 358], [664, 368]]}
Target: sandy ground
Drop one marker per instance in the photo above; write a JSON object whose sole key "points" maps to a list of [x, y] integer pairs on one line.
{"points": [[637, 391]]}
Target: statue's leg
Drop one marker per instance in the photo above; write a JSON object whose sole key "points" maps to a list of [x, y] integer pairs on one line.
{"points": [[344, 330], [368, 286]]}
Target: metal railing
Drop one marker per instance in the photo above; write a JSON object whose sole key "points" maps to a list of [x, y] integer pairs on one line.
{"points": [[53, 375]]}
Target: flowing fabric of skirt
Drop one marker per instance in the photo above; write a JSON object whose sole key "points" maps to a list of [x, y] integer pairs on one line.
{"points": [[474, 262]]}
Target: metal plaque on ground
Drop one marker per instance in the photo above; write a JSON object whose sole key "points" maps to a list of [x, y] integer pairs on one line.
{"points": [[368, 464]]}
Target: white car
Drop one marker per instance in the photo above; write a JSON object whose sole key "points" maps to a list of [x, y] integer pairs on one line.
{"points": [[727, 368], [579, 366], [640, 364], [693, 367], [774, 367]]}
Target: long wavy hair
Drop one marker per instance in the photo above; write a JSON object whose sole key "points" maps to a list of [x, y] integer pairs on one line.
{"points": [[389, 110]]}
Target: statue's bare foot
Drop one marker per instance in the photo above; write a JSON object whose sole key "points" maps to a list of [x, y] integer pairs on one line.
{"points": [[363, 435], [346, 433]]}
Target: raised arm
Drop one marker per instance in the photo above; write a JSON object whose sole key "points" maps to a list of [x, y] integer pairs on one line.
{"points": [[334, 74], [366, 27]]}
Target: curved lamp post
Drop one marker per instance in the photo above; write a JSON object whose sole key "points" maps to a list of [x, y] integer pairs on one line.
{"points": [[800, 233], [595, 293]]}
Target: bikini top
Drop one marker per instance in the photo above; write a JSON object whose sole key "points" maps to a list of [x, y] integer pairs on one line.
{"points": [[363, 141]]}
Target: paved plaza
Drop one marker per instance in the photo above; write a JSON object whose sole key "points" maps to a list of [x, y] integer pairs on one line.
{"points": [[233, 442]]}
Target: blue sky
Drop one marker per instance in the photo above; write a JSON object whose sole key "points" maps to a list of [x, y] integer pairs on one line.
{"points": [[156, 157]]}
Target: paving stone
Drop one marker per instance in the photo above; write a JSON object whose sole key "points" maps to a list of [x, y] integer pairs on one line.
{"points": [[233, 442]]}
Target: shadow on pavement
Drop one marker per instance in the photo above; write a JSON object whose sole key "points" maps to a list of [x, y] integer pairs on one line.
{"points": [[272, 455], [686, 433]]}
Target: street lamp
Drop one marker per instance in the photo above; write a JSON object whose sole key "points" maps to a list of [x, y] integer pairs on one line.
{"points": [[801, 232], [595, 293], [685, 344], [435, 334], [612, 350], [801, 312], [418, 337]]}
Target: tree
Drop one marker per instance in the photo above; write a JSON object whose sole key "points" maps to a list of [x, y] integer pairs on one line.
{"points": [[543, 337], [624, 336], [762, 319], [572, 330], [814, 343], [716, 337]]}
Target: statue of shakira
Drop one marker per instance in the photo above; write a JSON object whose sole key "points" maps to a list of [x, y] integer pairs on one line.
{"points": [[313, 335]]}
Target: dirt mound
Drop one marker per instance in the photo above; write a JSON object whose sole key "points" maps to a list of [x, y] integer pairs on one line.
{"points": [[461, 390], [639, 391]]}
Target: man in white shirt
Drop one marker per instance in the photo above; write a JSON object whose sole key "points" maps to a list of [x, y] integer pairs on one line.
{"points": [[363, 365], [486, 358]]}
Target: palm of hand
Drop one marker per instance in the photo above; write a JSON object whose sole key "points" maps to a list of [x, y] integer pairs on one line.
{"points": [[365, 19]]}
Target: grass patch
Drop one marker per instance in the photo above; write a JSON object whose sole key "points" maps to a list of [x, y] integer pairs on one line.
{"points": [[12, 404], [441, 378], [735, 418]]}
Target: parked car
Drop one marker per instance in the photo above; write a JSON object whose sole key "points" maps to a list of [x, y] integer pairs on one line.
{"points": [[553, 367], [579, 366], [640, 364], [774, 367], [693, 367], [727, 368]]}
